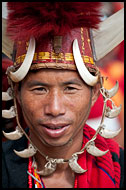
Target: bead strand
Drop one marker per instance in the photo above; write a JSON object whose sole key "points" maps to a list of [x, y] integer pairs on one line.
{"points": [[37, 177], [75, 183], [30, 171]]}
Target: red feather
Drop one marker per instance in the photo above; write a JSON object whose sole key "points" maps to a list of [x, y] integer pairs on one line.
{"points": [[37, 19]]}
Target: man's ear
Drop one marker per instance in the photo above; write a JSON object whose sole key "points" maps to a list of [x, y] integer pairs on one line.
{"points": [[95, 92], [17, 92]]}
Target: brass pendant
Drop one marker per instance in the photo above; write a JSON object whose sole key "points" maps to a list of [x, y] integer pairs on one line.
{"points": [[107, 133], [6, 96], [114, 112], [49, 168], [94, 151], [26, 153], [110, 93], [8, 114], [74, 165], [15, 135], [113, 91]]}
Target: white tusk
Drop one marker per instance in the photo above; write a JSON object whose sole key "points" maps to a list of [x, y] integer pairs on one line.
{"points": [[109, 35], [109, 134], [111, 113], [83, 71], [26, 153], [8, 114], [15, 135], [7, 44], [75, 166], [93, 150], [6, 95], [24, 68], [113, 91]]}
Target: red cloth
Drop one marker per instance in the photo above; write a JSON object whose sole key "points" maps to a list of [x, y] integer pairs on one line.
{"points": [[96, 110], [103, 172]]}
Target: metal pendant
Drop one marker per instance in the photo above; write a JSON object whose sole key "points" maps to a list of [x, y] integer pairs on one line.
{"points": [[74, 165], [107, 133], [15, 135], [93, 150], [113, 91], [114, 112], [8, 114], [49, 168], [6, 96], [110, 93], [26, 153]]}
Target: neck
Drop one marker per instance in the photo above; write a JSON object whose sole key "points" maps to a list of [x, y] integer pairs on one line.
{"points": [[64, 151]]}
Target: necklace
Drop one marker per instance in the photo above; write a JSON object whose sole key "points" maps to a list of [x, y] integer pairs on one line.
{"points": [[38, 182]]}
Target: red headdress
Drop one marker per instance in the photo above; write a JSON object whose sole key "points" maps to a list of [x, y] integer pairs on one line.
{"points": [[50, 18], [54, 25]]}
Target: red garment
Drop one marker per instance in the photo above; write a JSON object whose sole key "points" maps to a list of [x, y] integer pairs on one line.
{"points": [[102, 171]]}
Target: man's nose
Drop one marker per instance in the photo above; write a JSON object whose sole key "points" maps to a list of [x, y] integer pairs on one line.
{"points": [[55, 104]]}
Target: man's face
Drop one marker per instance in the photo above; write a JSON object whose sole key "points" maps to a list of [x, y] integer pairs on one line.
{"points": [[55, 105]]}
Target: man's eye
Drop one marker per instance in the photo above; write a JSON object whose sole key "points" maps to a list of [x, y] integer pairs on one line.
{"points": [[70, 89], [40, 89]]}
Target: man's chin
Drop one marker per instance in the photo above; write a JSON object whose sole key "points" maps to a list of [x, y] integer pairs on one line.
{"points": [[57, 143]]}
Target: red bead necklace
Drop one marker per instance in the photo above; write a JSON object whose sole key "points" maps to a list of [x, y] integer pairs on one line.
{"points": [[30, 171], [75, 182]]}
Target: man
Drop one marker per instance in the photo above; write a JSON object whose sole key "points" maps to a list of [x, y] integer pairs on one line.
{"points": [[54, 84]]}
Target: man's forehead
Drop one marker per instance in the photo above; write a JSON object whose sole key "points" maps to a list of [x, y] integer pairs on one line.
{"points": [[52, 71], [47, 76]]}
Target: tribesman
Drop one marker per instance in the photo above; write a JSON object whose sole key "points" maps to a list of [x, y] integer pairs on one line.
{"points": [[54, 82]]}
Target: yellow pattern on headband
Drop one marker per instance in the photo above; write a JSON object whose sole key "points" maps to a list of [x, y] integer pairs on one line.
{"points": [[46, 56]]}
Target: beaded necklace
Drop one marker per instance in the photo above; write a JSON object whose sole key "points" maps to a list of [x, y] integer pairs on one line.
{"points": [[40, 184]]}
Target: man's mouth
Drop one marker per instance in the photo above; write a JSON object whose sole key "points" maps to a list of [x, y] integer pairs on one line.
{"points": [[54, 127], [55, 130]]}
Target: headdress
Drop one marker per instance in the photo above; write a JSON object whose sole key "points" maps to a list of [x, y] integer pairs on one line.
{"points": [[61, 35]]}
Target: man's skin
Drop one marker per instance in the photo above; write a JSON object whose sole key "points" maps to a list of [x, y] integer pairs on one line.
{"points": [[51, 99]]}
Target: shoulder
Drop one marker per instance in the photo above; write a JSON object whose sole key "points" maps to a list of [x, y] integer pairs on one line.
{"points": [[14, 168]]}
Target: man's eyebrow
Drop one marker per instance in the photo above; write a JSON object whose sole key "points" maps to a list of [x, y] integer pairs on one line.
{"points": [[36, 83], [68, 82], [73, 81]]}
